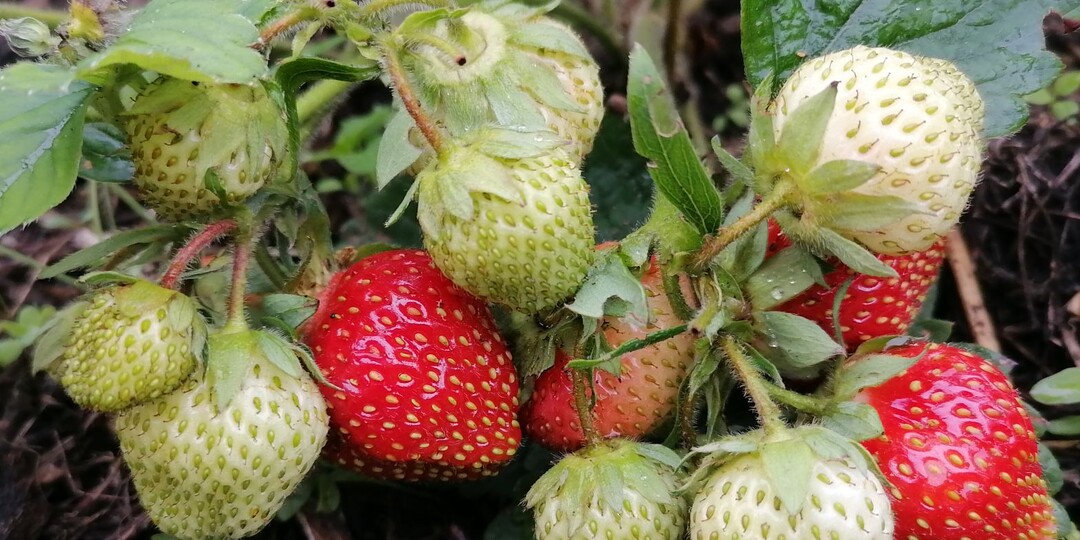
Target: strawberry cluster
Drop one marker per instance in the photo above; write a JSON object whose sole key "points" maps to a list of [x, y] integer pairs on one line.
{"points": [[513, 327]]}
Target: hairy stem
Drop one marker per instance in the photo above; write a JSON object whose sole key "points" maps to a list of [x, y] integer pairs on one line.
{"points": [[51, 17], [374, 8], [184, 255], [775, 200], [409, 100], [238, 287], [581, 403], [767, 411], [799, 401], [282, 25]]}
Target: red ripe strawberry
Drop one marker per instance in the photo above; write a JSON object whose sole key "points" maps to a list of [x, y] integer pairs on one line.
{"points": [[959, 450], [873, 306], [630, 405], [428, 389]]}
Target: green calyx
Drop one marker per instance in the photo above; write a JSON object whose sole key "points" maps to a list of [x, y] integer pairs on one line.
{"points": [[124, 345], [197, 147], [232, 355], [609, 490], [494, 64]]}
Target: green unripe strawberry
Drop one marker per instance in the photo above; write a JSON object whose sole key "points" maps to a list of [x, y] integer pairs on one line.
{"points": [[616, 489], [509, 66], [129, 344], [206, 469], [902, 127], [517, 232], [198, 147]]}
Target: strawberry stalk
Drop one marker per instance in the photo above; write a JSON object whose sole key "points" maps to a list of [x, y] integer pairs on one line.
{"points": [[282, 25], [804, 403], [778, 198], [767, 411], [374, 8], [400, 82], [235, 321], [584, 410], [184, 255]]}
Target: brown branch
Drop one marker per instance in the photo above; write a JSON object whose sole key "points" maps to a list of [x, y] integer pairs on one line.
{"points": [[963, 268]]}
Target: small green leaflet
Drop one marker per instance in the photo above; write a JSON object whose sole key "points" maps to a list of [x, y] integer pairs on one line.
{"points": [[41, 126], [196, 40], [659, 135], [998, 43], [1062, 388]]}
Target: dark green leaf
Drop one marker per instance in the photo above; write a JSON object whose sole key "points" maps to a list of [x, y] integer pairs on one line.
{"points": [[513, 523], [1051, 469], [610, 289], [195, 40], [618, 180], [659, 135], [997, 43], [41, 123], [931, 329], [105, 156]]}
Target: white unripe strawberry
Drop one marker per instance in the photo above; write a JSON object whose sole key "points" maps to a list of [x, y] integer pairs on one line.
{"points": [[918, 119]]}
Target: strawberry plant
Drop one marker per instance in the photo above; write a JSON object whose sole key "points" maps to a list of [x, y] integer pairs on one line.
{"points": [[727, 364]]}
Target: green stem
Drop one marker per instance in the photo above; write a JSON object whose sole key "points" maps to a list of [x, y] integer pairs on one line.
{"points": [[410, 101], [123, 194], [767, 411], [775, 200], [317, 101], [283, 24], [270, 267], [581, 403], [632, 345], [50, 17], [799, 401], [31, 262], [577, 16], [95, 209], [185, 254], [242, 239], [374, 8]]}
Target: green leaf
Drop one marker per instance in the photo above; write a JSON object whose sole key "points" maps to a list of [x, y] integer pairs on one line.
{"points": [[853, 255], [105, 156], [870, 370], [41, 124], [998, 43], [610, 289], [1065, 109], [1062, 388], [513, 523], [789, 466], [659, 136], [781, 278], [801, 340], [800, 140], [1066, 426], [195, 40], [279, 352], [1066, 84], [293, 309], [856, 421], [731, 164], [396, 153], [30, 323], [99, 253], [837, 176]]}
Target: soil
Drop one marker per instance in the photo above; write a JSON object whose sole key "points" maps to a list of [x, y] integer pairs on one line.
{"points": [[61, 476]]}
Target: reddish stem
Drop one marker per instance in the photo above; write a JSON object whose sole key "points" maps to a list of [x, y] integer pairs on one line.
{"points": [[184, 255]]}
